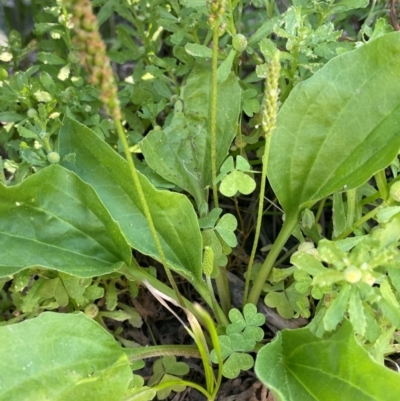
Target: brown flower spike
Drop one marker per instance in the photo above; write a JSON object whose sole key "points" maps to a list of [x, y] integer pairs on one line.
{"points": [[93, 54]]}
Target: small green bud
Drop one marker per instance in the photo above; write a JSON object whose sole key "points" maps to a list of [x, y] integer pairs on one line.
{"points": [[395, 191], [53, 157], [31, 113], [3, 74], [239, 42], [91, 310], [369, 279], [307, 218], [74, 57], [208, 261]]}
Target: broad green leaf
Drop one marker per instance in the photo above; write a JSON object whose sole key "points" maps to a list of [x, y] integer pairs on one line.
{"points": [[307, 263], [339, 127], [66, 357], [180, 152], [299, 366], [60, 223], [108, 173]]}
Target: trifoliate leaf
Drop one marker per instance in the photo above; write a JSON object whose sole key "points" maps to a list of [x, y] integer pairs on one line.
{"points": [[226, 227], [237, 182]]}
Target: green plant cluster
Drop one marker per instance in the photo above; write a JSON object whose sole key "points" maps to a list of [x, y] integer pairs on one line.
{"points": [[151, 146]]}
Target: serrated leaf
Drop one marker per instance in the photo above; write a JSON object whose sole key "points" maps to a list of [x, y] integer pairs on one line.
{"points": [[296, 363], [61, 356], [60, 223], [356, 312], [111, 296], [335, 313], [337, 132], [307, 263], [174, 217]]}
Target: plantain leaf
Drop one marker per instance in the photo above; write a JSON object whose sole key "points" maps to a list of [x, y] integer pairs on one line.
{"points": [[64, 357], [174, 217], [180, 152], [339, 127], [60, 223]]}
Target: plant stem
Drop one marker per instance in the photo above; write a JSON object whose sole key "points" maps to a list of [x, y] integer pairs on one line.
{"points": [[187, 351], [351, 206], [213, 117], [320, 209], [381, 182], [259, 216], [137, 394], [287, 229], [145, 207], [358, 223], [232, 27], [222, 284], [270, 111], [222, 279], [137, 273]]}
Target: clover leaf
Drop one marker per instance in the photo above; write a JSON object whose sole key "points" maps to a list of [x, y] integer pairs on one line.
{"points": [[249, 322], [288, 302], [167, 369], [237, 182], [233, 348], [232, 178], [226, 227]]}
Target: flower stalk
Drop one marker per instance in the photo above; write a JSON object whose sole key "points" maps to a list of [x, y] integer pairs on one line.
{"points": [[270, 111], [95, 60]]}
